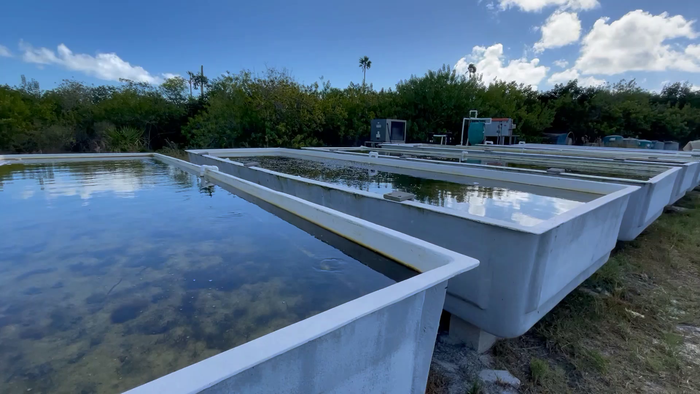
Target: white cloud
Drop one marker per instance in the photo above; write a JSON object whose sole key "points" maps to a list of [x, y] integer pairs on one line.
{"points": [[169, 75], [571, 74], [539, 5], [561, 63], [490, 63], [637, 42], [4, 52], [693, 50], [106, 66], [560, 29]]}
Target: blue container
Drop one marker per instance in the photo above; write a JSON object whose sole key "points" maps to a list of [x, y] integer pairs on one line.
{"points": [[645, 144], [671, 145], [612, 141]]}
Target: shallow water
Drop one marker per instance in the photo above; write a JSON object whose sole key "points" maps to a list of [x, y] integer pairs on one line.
{"points": [[116, 273], [527, 209]]}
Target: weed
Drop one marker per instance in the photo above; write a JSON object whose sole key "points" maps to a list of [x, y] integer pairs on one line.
{"points": [[539, 370], [475, 388], [125, 139], [174, 152], [437, 383]]}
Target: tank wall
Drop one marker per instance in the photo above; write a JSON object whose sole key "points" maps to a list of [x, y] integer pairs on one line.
{"points": [[572, 247], [376, 353], [688, 181], [662, 194], [634, 215], [697, 174], [388, 350], [565, 256]]}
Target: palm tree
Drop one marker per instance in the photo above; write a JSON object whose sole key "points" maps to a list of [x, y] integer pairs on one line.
{"points": [[191, 77], [199, 81], [472, 69], [365, 63]]}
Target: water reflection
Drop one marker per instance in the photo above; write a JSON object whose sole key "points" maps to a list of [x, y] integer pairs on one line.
{"points": [[104, 297], [57, 180], [514, 206]]}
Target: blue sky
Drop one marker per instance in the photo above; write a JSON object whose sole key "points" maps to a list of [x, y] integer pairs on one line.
{"points": [[651, 41]]}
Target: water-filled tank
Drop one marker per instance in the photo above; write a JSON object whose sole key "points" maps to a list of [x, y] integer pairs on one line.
{"points": [[671, 145], [613, 141], [630, 143], [644, 144], [560, 138]]}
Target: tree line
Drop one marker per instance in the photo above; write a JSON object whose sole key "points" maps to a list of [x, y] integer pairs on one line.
{"points": [[272, 109]]}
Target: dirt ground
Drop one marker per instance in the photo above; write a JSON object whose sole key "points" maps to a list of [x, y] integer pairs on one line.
{"points": [[633, 327]]}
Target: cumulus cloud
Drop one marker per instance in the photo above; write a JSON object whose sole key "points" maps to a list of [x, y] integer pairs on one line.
{"points": [[571, 74], [560, 29], [169, 75], [561, 63], [106, 66], [4, 52], [539, 5], [638, 42], [491, 64], [693, 51]]}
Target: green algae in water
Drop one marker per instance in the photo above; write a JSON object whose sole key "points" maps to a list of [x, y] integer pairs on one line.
{"points": [[116, 273], [524, 208]]}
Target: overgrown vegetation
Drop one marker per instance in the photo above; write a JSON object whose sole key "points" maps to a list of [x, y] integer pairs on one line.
{"points": [[632, 327], [272, 109]]}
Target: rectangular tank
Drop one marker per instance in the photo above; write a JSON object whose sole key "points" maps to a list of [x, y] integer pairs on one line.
{"points": [[690, 166], [658, 185], [537, 237], [575, 165], [119, 269], [682, 159], [618, 149]]}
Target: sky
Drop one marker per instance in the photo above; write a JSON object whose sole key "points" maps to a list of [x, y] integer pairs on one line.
{"points": [[535, 42]]}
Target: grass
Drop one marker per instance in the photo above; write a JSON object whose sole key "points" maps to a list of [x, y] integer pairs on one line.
{"points": [[174, 152], [475, 388], [618, 331], [437, 383], [539, 370]]}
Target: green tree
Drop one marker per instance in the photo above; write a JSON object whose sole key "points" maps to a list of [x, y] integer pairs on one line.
{"points": [[273, 109], [173, 89]]}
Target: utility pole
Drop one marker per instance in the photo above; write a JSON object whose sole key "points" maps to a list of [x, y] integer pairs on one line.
{"points": [[201, 85]]}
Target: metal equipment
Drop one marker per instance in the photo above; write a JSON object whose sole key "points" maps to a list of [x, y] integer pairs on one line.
{"points": [[388, 131]]}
